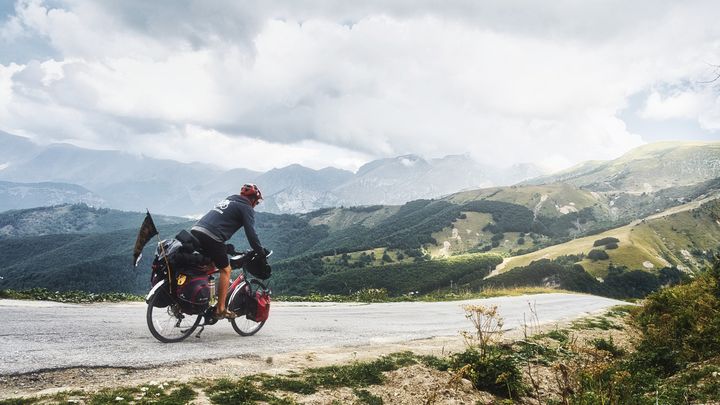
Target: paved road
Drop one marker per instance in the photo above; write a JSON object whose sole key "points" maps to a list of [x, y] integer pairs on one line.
{"points": [[47, 335]]}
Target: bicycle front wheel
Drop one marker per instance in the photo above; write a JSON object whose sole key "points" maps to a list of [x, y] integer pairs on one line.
{"points": [[168, 324], [236, 303]]}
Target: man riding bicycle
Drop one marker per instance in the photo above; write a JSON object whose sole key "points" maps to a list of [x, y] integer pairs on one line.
{"points": [[218, 226]]}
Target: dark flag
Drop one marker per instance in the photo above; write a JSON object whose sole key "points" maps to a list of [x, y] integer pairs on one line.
{"points": [[147, 231]]}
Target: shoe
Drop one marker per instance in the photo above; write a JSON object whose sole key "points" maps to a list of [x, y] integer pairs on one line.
{"points": [[225, 315]]}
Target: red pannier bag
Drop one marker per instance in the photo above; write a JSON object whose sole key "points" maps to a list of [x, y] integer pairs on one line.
{"points": [[193, 294], [262, 311]]}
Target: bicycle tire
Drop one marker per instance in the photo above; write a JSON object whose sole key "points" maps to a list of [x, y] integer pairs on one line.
{"points": [[242, 325], [168, 315]]}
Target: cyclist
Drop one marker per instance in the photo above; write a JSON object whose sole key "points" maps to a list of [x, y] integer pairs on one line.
{"points": [[218, 226]]}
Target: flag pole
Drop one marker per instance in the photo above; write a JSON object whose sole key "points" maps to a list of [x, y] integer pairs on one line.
{"points": [[162, 249]]}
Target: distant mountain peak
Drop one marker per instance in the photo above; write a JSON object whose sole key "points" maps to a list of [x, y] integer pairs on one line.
{"points": [[409, 160]]}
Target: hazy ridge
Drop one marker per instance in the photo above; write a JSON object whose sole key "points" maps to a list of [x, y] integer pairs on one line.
{"points": [[129, 182]]}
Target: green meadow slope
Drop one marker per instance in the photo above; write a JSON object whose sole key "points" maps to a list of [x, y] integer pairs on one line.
{"points": [[683, 237]]}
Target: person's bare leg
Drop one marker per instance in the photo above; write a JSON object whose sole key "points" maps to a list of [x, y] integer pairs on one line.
{"points": [[223, 284]]}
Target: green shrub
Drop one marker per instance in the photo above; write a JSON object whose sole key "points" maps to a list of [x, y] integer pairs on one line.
{"points": [[606, 241], [560, 335], [609, 346], [289, 385], [496, 371], [18, 401], [541, 272], [682, 323], [670, 276], [629, 284], [372, 295], [675, 360], [365, 397], [610, 246], [236, 392], [535, 352], [597, 254]]}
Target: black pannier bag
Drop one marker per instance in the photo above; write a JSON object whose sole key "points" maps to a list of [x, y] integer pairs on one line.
{"points": [[166, 249], [188, 257], [186, 263]]}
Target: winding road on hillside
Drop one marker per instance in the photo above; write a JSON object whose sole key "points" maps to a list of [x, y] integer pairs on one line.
{"points": [[41, 335]]}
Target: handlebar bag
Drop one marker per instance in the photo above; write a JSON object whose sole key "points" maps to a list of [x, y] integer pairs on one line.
{"points": [[258, 267]]}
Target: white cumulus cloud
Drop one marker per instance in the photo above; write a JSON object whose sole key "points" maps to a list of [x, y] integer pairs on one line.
{"points": [[506, 82]]}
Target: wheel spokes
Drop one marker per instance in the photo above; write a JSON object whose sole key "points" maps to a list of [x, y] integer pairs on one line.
{"points": [[172, 323]]}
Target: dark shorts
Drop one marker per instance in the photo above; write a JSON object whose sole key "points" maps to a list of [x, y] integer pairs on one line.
{"points": [[213, 249]]}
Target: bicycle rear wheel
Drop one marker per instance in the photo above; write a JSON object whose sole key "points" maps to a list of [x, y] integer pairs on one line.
{"points": [[242, 325], [168, 324]]}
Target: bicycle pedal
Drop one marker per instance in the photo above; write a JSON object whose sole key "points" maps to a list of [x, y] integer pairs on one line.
{"points": [[202, 328]]}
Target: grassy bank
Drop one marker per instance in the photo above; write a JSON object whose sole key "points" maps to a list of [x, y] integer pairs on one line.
{"points": [[283, 389], [369, 295], [77, 297]]}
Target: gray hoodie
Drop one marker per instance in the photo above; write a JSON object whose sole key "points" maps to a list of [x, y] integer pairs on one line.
{"points": [[227, 217]]}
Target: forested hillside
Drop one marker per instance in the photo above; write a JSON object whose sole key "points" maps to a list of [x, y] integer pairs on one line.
{"points": [[391, 251], [616, 243], [94, 246]]}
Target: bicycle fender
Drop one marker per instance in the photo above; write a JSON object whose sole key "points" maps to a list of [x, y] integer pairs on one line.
{"points": [[235, 291], [154, 289]]}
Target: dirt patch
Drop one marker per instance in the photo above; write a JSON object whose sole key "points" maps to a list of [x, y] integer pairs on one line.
{"points": [[411, 385], [420, 384]]}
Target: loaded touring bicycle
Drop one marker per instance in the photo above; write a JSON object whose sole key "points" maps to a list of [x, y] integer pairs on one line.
{"points": [[183, 295]]}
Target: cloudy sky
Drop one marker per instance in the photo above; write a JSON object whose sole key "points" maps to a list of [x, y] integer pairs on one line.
{"points": [[265, 84]]}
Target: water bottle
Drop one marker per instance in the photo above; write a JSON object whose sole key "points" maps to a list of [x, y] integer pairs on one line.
{"points": [[213, 293]]}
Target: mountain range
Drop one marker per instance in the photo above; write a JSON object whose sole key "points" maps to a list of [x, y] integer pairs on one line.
{"points": [[621, 228], [129, 182], [481, 237]]}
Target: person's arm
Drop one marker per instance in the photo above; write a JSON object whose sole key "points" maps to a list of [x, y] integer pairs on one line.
{"points": [[253, 240]]}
